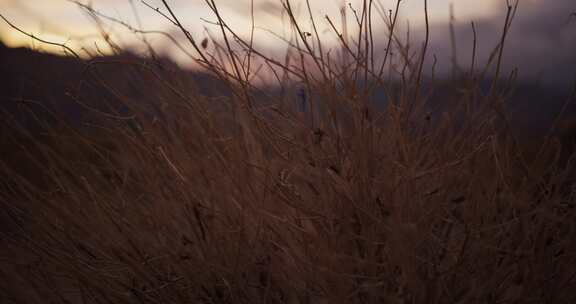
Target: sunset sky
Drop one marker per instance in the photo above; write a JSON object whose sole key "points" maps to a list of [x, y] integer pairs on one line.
{"points": [[543, 29], [61, 20]]}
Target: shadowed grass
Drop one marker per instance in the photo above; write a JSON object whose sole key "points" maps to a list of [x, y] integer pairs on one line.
{"points": [[317, 192]]}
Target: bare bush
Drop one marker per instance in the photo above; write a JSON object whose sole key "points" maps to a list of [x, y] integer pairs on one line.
{"points": [[322, 193]]}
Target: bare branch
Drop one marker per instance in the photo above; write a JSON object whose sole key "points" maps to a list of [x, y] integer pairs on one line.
{"points": [[65, 47]]}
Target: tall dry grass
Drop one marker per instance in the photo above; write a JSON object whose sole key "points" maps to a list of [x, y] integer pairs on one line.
{"points": [[317, 192]]}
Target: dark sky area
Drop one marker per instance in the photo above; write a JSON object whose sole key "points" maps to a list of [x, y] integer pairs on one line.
{"points": [[541, 42]]}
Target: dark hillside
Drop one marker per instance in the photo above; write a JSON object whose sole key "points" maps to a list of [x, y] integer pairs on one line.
{"points": [[44, 94], [30, 77], [39, 88]]}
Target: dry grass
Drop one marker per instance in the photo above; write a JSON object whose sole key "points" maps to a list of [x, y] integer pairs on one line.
{"points": [[312, 195]]}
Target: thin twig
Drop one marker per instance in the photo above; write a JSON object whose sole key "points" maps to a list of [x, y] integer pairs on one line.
{"points": [[65, 47]]}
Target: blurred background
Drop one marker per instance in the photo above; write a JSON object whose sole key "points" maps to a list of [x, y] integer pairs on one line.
{"points": [[541, 43]]}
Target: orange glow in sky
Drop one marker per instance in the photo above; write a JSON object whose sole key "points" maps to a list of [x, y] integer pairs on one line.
{"points": [[63, 21]]}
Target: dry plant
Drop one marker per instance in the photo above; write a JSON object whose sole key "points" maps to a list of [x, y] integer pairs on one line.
{"points": [[320, 191]]}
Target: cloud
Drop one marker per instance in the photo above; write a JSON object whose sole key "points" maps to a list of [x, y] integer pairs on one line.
{"points": [[541, 42]]}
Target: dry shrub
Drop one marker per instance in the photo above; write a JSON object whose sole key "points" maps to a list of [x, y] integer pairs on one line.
{"points": [[318, 192]]}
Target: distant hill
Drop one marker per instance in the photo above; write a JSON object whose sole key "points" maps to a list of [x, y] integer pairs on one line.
{"points": [[29, 77], [43, 94], [80, 91], [32, 79]]}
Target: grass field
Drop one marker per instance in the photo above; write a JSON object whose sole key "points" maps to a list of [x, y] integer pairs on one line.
{"points": [[324, 177]]}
